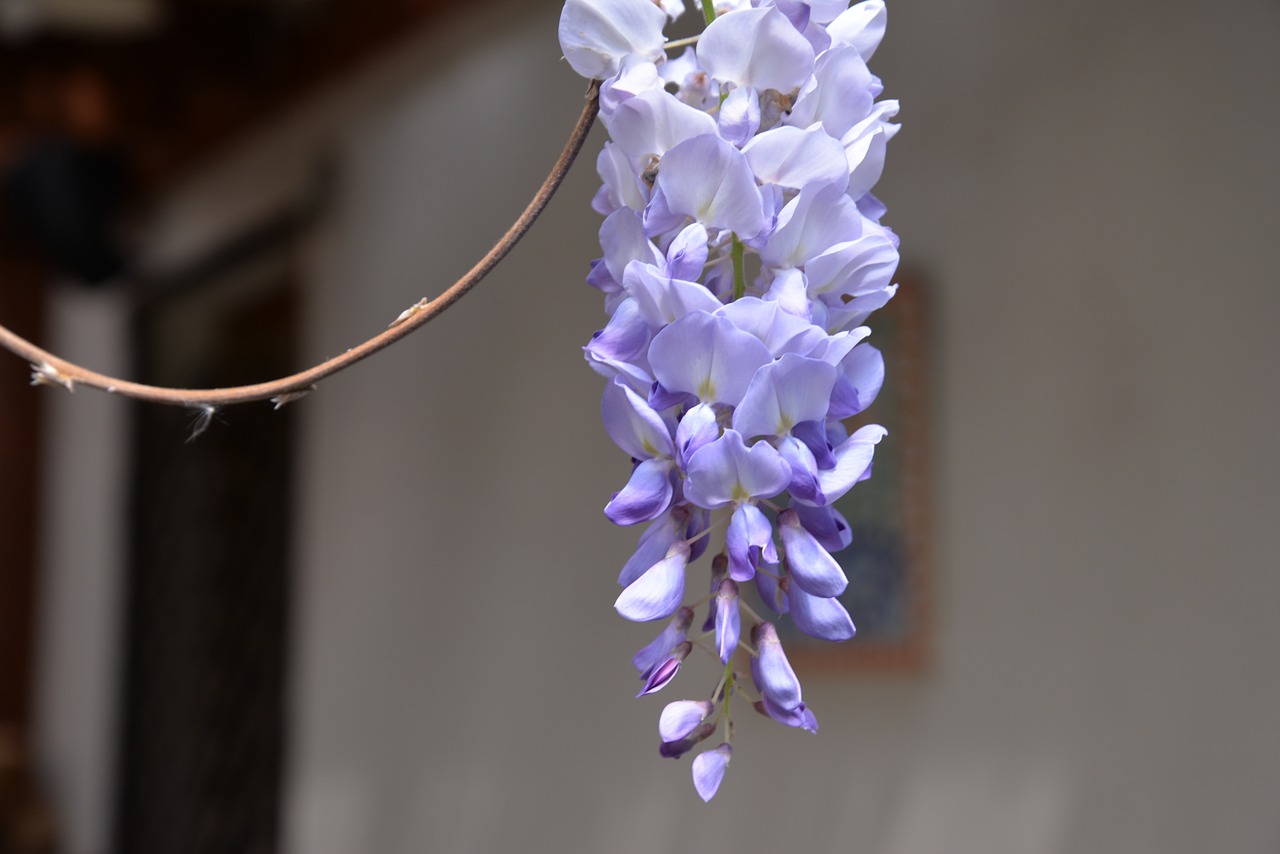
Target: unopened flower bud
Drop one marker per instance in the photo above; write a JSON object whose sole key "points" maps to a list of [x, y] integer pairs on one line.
{"points": [[812, 566], [773, 674], [666, 670], [683, 717], [678, 748], [708, 770], [656, 652], [728, 620], [719, 569], [800, 717], [658, 591]]}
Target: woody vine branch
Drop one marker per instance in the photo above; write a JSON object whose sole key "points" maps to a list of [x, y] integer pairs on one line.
{"points": [[50, 369]]}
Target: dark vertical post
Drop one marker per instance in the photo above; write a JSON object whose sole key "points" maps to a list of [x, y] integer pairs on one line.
{"points": [[21, 306]]}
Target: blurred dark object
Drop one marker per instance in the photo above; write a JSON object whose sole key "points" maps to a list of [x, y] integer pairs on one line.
{"points": [[26, 824], [22, 296], [110, 125], [65, 197], [206, 73], [97, 125], [64, 179], [25, 19], [204, 738]]}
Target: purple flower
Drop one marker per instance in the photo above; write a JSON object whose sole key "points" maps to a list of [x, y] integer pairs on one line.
{"points": [[785, 393], [653, 122], [855, 268], [641, 432], [811, 566], [596, 34], [839, 95], [687, 254], [708, 770], [852, 458], [756, 48], [739, 116], [708, 179], [742, 253], [726, 471], [818, 616], [728, 620], [661, 647], [692, 84], [658, 591], [771, 593], [719, 571], [819, 217], [623, 240], [666, 669], [647, 494], [826, 525], [681, 746], [864, 146], [682, 717], [663, 299], [860, 379], [779, 331], [699, 427], [800, 717], [622, 187], [634, 425], [654, 543], [794, 158], [749, 541], [636, 74], [622, 344], [707, 356], [771, 670], [862, 26]]}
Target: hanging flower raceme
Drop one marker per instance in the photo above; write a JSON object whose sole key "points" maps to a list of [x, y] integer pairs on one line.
{"points": [[742, 254]]}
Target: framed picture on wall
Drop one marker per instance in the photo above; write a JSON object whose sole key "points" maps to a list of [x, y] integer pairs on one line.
{"points": [[889, 562]]}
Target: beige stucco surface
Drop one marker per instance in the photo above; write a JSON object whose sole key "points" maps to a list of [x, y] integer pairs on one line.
{"points": [[1089, 190]]}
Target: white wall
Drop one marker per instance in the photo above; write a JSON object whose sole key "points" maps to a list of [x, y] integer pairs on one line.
{"points": [[1090, 189], [80, 619]]}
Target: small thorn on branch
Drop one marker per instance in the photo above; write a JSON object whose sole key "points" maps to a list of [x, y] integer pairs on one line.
{"points": [[203, 418], [283, 390], [47, 374], [410, 312], [281, 400]]}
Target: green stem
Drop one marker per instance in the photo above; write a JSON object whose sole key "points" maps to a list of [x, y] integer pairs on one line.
{"points": [[679, 43], [708, 11], [739, 269], [728, 692]]}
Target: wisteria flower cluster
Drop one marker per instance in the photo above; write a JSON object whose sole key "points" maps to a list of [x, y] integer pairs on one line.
{"points": [[742, 254]]}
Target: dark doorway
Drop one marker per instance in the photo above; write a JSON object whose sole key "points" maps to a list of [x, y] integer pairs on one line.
{"points": [[209, 576]]}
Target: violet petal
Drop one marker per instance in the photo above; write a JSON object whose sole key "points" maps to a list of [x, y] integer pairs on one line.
{"points": [[708, 770], [656, 593]]}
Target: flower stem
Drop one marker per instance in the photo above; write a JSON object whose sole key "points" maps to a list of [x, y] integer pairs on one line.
{"points": [[739, 270], [708, 11], [751, 612], [728, 692], [679, 43], [707, 531]]}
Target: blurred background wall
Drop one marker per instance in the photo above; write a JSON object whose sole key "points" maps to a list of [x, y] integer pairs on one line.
{"points": [[1088, 192]]}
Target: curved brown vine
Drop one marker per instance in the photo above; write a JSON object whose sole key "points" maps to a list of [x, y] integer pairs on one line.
{"points": [[49, 369]]}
